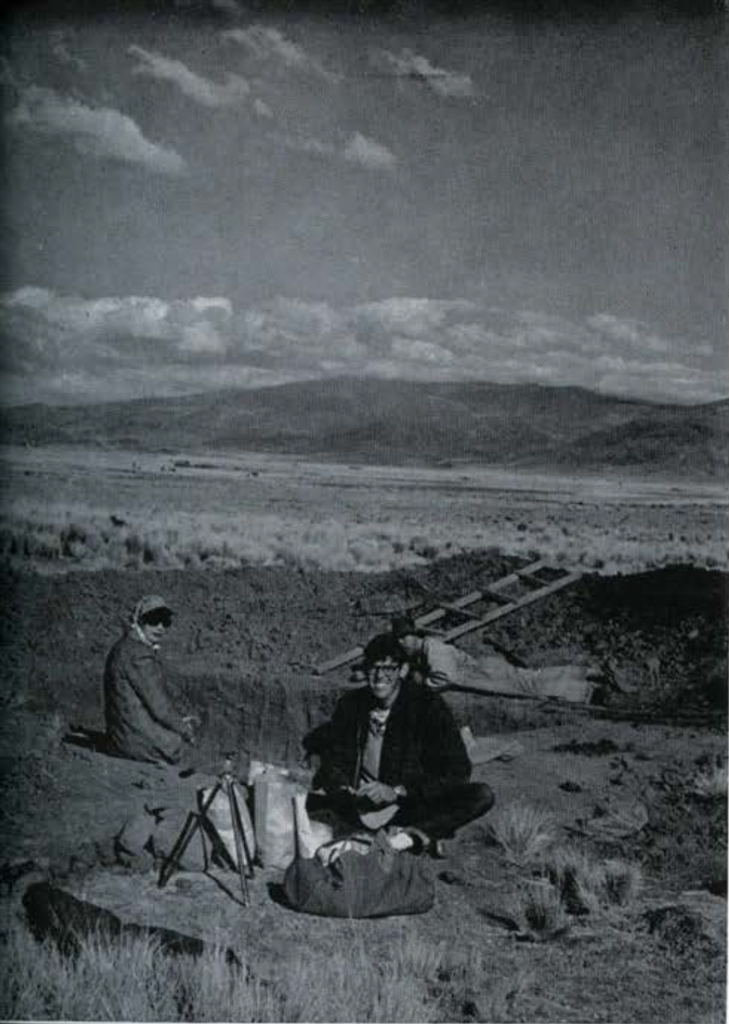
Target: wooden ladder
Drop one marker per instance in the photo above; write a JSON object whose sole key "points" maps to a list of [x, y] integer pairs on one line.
{"points": [[494, 593]]}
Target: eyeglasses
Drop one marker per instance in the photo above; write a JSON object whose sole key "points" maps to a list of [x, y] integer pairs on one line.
{"points": [[163, 617], [384, 667]]}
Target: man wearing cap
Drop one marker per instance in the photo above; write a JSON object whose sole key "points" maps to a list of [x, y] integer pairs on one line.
{"points": [[428, 660], [396, 757], [441, 666], [141, 722]]}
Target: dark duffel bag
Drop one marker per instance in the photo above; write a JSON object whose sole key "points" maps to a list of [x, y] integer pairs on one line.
{"points": [[378, 883]]}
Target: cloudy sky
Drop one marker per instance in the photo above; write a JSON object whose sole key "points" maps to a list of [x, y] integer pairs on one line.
{"points": [[208, 194]]}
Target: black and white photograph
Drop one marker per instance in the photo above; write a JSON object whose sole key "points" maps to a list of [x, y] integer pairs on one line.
{"points": [[364, 511]]}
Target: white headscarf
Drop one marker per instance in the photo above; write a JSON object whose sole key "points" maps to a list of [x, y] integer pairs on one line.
{"points": [[148, 603]]}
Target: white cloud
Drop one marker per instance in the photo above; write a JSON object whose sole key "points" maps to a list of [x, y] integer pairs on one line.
{"points": [[409, 316], [628, 332], [30, 297], [169, 346], [202, 337], [540, 330], [423, 352], [361, 150], [95, 131], [663, 381], [99, 326], [201, 304], [234, 91], [294, 330], [262, 108], [307, 144], [309, 317], [270, 44], [135, 315], [473, 338], [408, 64]]}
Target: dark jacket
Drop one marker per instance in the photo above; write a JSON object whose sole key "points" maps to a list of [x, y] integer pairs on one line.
{"points": [[141, 722], [422, 747]]}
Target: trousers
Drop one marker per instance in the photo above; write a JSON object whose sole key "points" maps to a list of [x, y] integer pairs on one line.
{"points": [[439, 817]]}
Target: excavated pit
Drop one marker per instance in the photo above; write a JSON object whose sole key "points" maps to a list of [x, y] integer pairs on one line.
{"points": [[243, 649]]}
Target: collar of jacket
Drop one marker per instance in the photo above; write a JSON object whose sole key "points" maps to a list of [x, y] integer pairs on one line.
{"points": [[397, 710]]}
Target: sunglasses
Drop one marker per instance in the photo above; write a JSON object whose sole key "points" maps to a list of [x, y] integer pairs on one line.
{"points": [[158, 618]]}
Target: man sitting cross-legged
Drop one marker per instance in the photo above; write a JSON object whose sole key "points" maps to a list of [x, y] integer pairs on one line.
{"points": [[396, 757]]}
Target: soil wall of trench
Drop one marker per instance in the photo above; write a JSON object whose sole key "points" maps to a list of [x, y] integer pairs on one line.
{"points": [[245, 642]]}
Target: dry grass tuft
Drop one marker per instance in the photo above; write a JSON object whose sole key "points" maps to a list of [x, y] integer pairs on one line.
{"points": [[623, 883], [710, 782], [158, 521], [541, 913], [524, 832], [132, 980], [589, 886]]}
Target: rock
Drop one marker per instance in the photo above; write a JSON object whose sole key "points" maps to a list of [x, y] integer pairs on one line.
{"points": [[482, 749], [570, 787], [618, 820], [149, 838], [696, 917], [53, 913], [132, 843], [12, 871]]}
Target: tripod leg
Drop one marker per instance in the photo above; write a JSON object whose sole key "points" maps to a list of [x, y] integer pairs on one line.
{"points": [[182, 842], [194, 822], [242, 832], [240, 851]]}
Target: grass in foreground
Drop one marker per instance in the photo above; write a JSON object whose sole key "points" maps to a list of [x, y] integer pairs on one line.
{"points": [[523, 832], [590, 886], [132, 980]]}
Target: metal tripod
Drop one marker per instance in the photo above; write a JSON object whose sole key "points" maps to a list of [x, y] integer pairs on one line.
{"points": [[195, 821]]}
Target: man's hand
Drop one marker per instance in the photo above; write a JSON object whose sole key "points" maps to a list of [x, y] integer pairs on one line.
{"points": [[377, 793], [438, 682], [188, 727]]}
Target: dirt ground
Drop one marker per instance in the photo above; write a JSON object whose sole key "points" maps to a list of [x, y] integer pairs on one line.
{"points": [[242, 652]]}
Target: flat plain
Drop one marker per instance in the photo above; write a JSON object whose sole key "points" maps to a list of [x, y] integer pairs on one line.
{"points": [[95, 508]]}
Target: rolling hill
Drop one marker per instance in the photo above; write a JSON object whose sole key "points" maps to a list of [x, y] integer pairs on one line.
{"points": [[399, 421]]}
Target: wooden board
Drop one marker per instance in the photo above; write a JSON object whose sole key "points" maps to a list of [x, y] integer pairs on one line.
{"points": [[492, 592], [522, 602]]}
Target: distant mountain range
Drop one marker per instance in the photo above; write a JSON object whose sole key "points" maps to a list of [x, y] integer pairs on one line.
{"points": [[519, 425]]}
